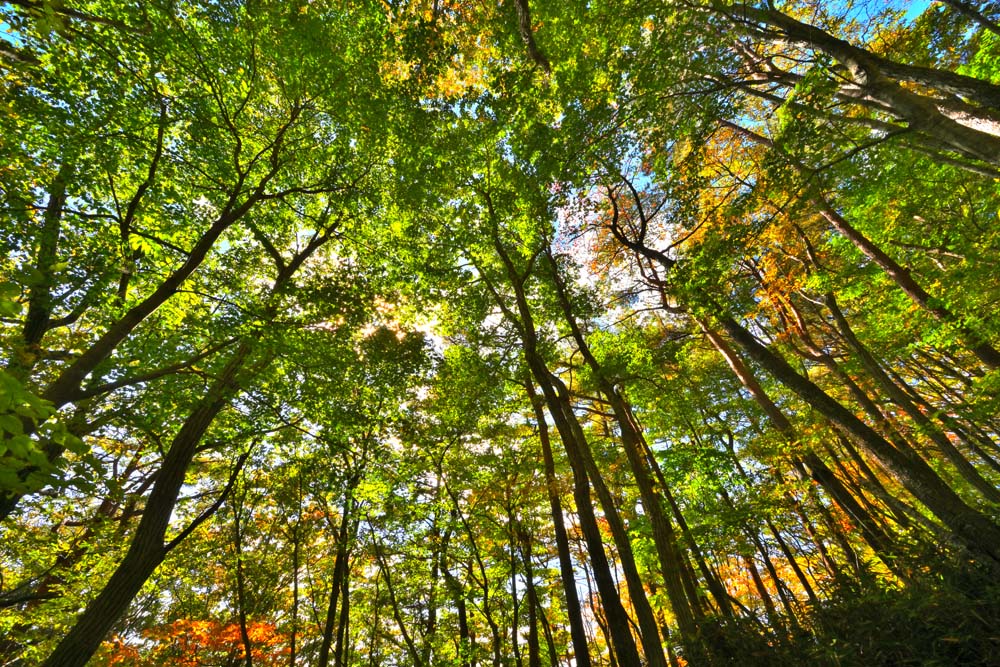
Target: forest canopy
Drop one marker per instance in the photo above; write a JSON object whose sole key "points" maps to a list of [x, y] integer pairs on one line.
{"points": [[511, 334]]}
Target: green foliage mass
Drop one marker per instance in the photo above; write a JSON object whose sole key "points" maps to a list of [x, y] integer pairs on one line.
{"points": [[526, 333]]}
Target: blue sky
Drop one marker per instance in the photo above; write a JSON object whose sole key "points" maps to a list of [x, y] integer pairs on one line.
{"points": [[913, 9]]}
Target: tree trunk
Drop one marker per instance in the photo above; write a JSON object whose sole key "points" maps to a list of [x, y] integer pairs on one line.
{"points": [[36, 322], [899, 397], [682, 602], [983, 350], [971, 527], [411, 647], [809, 461], [297, 538], [339, 576], [879, 79], [241, 589], [344, 622], [147, 549], [617, 618], [534, 605], [562, 414], [578, 634]]}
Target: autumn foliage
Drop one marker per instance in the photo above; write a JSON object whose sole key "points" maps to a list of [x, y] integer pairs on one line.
{"points": [[189, 643]]}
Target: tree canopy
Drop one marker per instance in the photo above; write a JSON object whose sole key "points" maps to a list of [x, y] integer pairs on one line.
{"points": [[650, 332]]}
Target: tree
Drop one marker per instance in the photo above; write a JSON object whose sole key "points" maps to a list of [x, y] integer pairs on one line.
{"points": [[517, 334]]}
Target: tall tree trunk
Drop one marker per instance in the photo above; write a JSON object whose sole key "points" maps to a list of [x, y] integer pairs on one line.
{"points": [[986, 353], [458, 597], [773, 618], [578, 634], [339, 576], [971, 527], [241, 589], [561, 412], [879, 79], [523, 544], [411, 647], [340, 648], [296, 547], [809, 462], [900, 398], [715, 587], [496, 637], [824, 553], [682, 602], [617, 618], [147, 549], [65, 387], [905, 281], [973, 13], [515, 611], [786, 550], [752, 533], [37, 319]]}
